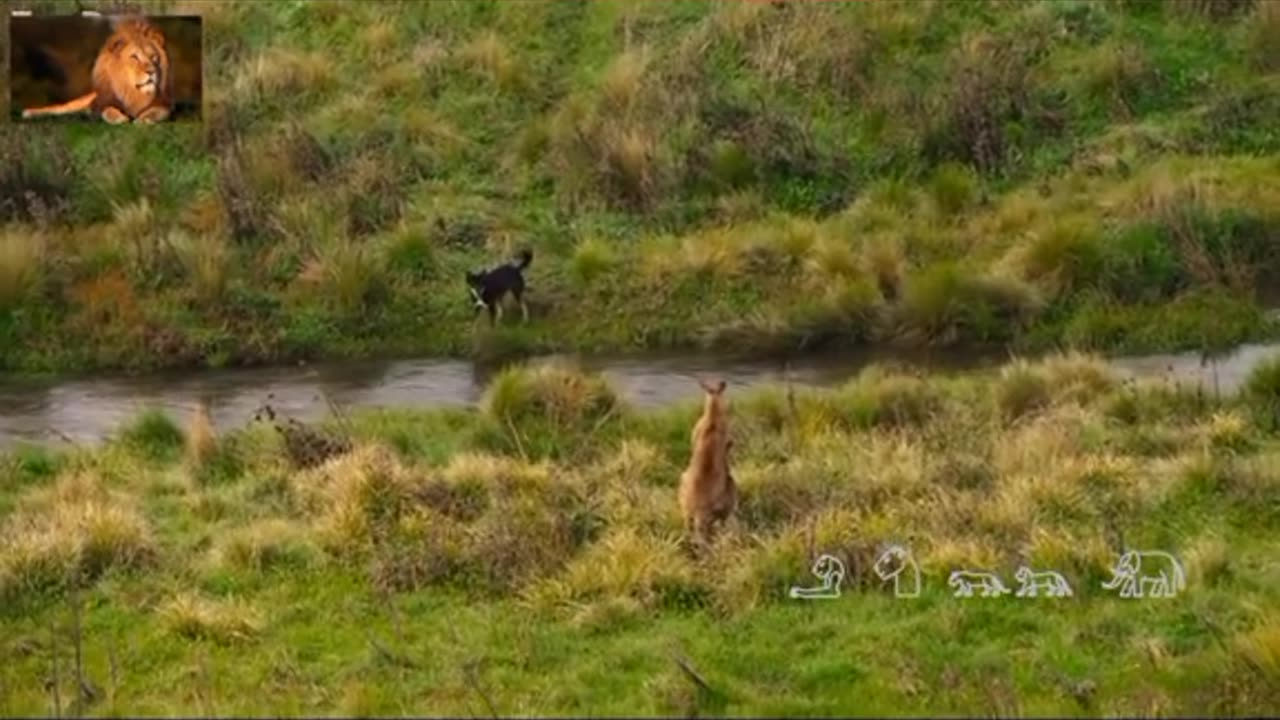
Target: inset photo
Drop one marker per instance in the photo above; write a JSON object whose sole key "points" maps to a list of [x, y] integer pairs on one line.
{"points": [[105, 68]]}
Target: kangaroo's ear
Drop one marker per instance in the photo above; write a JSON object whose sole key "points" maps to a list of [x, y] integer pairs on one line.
{"points": [[712, 389]]}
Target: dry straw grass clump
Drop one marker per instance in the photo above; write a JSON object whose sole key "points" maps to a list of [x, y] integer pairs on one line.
{"points": [[21, 257], [222, 621], [206, 262], [283, 71], [880, 397], [609, 145], [623, 566], [356, 496], [1025, 388], [77, 528], [486, 523], [488, 55], [266, 545], [1259, 649], [1264, 36], [535, 518], [202, 443]]}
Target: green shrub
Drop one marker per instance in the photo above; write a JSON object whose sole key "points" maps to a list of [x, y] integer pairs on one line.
{"points": [[949, 302], [886, 399], [1262, 393], [537, 410], [30, 463], [1066, 256], [1137, 264], [953, 188], [224, 463], [154, 435], [731, 167], [411, 254], [1264, 37], [592, 258]]}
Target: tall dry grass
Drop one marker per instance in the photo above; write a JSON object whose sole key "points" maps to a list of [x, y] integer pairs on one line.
{"points": [[200, 438], [206, 263], [196, 617], [73, 531], [489, 55], [21, 259], [1264, 36]]}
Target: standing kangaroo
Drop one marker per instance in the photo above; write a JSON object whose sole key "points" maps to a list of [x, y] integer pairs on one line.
{"points": [[708, 494]]}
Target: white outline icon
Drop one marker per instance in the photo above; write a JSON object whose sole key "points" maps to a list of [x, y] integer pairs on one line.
{"points": [[965, 581], [1046, 582], [831, 571], [892, 564], [1162, 578]]}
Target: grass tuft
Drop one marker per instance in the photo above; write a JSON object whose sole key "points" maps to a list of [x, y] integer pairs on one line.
{"points": [[1262, 393], [194, 617], [1264, 36], [561, 396], [1021, 391], [267, 545], [592, 258], [1260, 648], [20, 266], [154, 435], [75, 530]]}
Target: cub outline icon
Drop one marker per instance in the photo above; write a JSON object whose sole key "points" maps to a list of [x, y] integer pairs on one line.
{"points": [[987, 585], [1046, 583], [830, 570]]}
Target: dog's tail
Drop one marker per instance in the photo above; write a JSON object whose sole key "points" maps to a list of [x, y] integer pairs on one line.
{"points": [[525, 257]]}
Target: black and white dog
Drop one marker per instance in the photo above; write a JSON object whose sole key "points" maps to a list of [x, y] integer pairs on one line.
{"points": [[489, 286]]}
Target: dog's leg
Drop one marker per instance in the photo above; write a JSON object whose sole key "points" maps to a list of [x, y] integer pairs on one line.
{"points": [[524, 309], [498, 305]]}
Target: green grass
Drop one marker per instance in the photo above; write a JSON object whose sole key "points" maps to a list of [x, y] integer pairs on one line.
{"points": [[753, 178], [439, 569]]}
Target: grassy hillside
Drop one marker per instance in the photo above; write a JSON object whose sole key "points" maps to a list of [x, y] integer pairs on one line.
{"points": [[760, 176], [524, 558]]}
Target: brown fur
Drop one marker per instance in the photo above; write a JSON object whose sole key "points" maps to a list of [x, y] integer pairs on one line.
{"points": [[708, 494], [134, 55], [200, 438]]}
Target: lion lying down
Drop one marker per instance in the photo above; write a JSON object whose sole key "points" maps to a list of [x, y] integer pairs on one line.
{"points": [[708, 494], [131, 79]]}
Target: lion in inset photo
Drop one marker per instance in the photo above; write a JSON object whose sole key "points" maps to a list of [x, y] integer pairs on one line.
{"points": [[137, 75]]}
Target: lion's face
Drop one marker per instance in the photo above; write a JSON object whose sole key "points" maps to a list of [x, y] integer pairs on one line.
{"points": [[138, 62], [145, 65]]}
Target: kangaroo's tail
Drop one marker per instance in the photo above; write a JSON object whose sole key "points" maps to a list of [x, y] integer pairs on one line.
{"points": [[72, 106], [526, 257]]}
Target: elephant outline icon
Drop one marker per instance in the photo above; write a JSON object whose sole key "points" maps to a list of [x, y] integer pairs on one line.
{"points": [[1148, 573]]}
